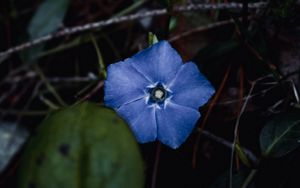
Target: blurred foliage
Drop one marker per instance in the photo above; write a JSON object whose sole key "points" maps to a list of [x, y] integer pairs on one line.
{"points": [[283, 9], [281, 134], [82, 146], [12, 137], [47, 18]]}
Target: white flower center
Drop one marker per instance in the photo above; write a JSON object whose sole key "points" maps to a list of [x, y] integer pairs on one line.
{"points": [[159, 94]]}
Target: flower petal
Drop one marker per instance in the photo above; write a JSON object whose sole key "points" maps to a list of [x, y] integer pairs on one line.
{"points": [[159, 63], [123, 84], [175, 123], [190, 88], [141, 119]]}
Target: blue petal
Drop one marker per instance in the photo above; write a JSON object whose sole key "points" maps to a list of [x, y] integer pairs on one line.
{"points": [[159, 63], [175, 123], [190, 88], [141, 119], [123, 84]]}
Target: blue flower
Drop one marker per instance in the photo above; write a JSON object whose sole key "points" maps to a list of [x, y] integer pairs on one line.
{"points": [[157, 94]]}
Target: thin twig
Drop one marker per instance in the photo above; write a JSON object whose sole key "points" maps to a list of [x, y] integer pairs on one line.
{"points": [[8, 93], [139, 15], [249, 178], [87, 96], [49, 86], [155, 168], [102, 70], [295, 91], [210, 107], [49, 103], [236, 128], [228, 144], [262, 92], [14, 99], [201, 29], [89, 78], [25, 113]]}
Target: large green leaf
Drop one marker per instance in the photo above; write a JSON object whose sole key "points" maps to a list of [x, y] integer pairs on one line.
{"points": [[84, 146], [47, 18], [281, 134]]}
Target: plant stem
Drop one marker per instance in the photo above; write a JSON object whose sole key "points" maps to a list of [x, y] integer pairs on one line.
{"points": [[49, 86]]}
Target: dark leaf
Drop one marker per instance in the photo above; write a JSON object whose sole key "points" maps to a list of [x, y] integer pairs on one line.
{"points": [[281, 134], [47, 18], [238, 180]]}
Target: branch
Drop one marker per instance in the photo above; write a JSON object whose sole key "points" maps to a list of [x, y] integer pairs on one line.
{"points": [[228, 144], [236, 129], [103, 23], [201, 29]]}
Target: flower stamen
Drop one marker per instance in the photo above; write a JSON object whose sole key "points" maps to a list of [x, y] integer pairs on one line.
{"points": [[158, 93]]}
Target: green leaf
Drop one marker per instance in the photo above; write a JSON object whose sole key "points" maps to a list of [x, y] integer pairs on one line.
{"points": [[152, 38], [47, 18], [85, 146], [281, 134], [173, 23]]}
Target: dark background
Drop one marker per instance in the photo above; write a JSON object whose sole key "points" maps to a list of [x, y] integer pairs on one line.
{"points": [[264, 50]]}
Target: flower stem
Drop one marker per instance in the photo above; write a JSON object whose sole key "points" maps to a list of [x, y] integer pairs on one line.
{"points": [[157, 156], [102, 70]]}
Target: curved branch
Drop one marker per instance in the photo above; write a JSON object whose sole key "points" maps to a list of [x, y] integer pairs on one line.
{"points": [[139, 15]]}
